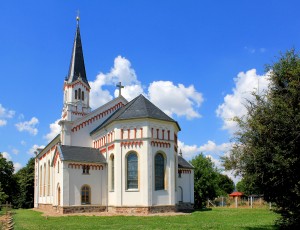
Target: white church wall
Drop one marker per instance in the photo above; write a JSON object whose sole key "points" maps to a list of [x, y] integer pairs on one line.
{"points": [[186, 184], [80, 134], [95, 180]]}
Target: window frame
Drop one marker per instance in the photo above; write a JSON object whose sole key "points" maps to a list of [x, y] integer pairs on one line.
{"points": [[162, 180], [88, 188], [137, 172]]}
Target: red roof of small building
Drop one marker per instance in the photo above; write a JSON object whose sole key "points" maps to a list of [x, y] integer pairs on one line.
{"points": [[236, 194]]}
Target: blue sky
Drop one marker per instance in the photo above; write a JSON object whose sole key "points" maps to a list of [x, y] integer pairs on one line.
{"points": [[198, 60]]}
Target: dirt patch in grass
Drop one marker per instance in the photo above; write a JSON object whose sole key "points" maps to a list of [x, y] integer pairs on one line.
{"points": [[50, 213]]}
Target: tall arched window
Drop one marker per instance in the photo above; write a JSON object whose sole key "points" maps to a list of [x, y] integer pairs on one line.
{"points": [[75, 94], [159, 172], [79, 93], [82, 95], [132, 171], [48, 190], [41, 180], [45, 170], [112, 173], [85, 194]]}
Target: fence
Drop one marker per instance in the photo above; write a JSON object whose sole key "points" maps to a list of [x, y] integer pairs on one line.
{"points": [[251, 201]]}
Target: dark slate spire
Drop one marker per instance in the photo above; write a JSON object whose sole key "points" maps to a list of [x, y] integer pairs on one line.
{"points": [[77, 67]]}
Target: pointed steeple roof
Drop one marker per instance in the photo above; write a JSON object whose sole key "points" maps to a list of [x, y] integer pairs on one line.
{"points": [[77, 67], [139, 107]]}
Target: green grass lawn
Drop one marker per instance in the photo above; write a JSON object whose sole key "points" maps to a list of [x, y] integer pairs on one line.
{"points": [[217, 218]]}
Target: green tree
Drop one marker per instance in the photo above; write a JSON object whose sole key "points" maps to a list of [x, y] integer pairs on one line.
{"points": [[247, 186], [25, 186], [225, 184], [268, 143], [6, 179], [205, 180]]}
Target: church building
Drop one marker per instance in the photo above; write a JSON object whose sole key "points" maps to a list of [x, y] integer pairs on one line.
{"points": [[121, 157]]}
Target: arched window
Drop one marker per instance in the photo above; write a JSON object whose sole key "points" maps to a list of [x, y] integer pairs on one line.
{"points": [[85, 194], [41, 180], [48, 190], [44, 190], [112, 173], [132, 171], [75, 94], [159, 172], [82, 95], [79, 93]]}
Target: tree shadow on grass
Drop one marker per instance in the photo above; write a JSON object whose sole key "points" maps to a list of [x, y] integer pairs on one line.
{"points": [[265, 227]]}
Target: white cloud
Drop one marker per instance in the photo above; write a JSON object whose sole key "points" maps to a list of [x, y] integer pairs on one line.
{"points": [[4, 113], [209, 148], [15, 151], [23, 143], [171, 98], [212, 151], [3, 122], [34, 148], [17, 166], [234, 104], [6, 156], [28, 126], [54, 130], [121, 72], [175, 99]]}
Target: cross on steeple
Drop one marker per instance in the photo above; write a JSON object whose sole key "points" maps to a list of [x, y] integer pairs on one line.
{"points": [[120, 86]]}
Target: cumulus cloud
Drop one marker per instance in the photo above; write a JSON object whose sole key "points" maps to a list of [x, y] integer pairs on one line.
{"points": [[171, 98], [234, 103], [120, 72], [3, 122], [175, 99], [34, 148], [17, 166], [29, 126], [212, 151], [6, 156], [5, 114], [54, 130], [209, 148]]}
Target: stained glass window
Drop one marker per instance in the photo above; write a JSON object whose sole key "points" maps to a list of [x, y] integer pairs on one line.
{"points": [[159, 172], [132, 171], [112, 173]]}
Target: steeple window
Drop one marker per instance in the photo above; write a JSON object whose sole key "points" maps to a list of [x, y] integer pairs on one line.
{"points": [[82, 95], [76, 94], [79, 93]]}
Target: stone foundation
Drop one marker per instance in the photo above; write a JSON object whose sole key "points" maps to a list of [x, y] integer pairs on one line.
{"points": [[184, 207], [142, 210], [82, 209], [113, 209], [71, 209]]}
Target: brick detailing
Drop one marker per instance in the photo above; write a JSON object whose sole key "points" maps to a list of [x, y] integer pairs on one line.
{"points": [[101, 141], [187, 171], [46, 153], [55, 158], [160, 144], [79, 166], [72, 85], [131, 143], [96, 117]]}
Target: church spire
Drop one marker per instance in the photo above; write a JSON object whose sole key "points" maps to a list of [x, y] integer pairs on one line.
{"points": [[77, 67]]}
